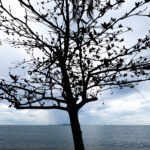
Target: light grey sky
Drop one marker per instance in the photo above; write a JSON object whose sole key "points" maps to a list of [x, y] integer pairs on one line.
{"points": [[123, 107]]}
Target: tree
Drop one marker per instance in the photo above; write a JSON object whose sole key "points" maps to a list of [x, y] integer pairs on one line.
{"points": [[81, 3], [79, 58]]}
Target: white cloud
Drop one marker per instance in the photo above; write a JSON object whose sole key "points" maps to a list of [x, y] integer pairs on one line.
{"points": [[130, 108], [13, 116]]}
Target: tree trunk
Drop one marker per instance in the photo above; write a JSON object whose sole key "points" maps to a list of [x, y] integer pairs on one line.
{"points": [[76, 131]]}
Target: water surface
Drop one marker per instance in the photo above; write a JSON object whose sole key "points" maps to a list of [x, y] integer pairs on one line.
{"points": [[60, 137]]}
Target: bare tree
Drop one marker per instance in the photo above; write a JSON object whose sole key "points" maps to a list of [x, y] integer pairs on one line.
{"points": [[79, 58]]}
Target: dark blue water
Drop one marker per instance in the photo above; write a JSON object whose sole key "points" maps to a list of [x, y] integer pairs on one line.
{"points": [[60, 137]]}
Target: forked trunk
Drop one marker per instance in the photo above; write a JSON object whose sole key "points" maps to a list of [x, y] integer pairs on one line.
{"points": [[76, 131]]}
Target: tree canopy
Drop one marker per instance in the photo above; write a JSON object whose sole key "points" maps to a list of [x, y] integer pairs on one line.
{"points": [[80, 59]]}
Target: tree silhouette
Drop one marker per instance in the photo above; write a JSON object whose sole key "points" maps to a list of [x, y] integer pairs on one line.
{"points": [[80, 4], [79, 58]]}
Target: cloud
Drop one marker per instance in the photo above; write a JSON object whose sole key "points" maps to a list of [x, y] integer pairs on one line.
{"points": [[9, 57], [121, 109], [11, 116]]}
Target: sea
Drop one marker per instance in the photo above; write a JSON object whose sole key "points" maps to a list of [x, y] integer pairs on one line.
{"points": [[59, 137]]}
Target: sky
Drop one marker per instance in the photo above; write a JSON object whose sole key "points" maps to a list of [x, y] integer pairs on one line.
{"points": [[123, 107]]}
